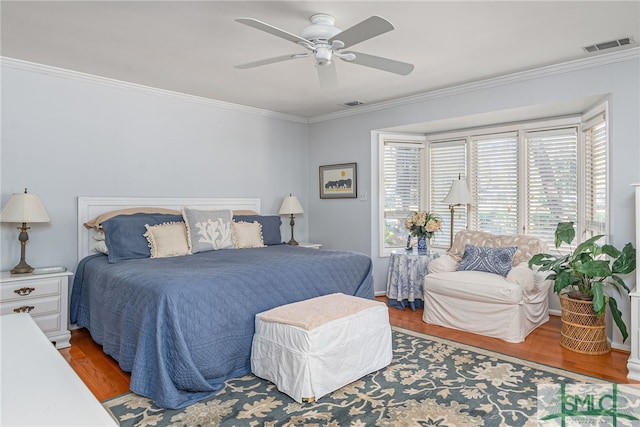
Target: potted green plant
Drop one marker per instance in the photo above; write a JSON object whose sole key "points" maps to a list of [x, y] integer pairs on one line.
{"points": [[583, 273]]}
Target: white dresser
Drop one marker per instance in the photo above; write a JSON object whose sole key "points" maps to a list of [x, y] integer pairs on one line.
{"points": [[633, 363], [39, 388], [45, 297]]}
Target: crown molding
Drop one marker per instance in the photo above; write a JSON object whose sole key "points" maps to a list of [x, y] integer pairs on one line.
{"points": [[549, 70], [105, 81]]}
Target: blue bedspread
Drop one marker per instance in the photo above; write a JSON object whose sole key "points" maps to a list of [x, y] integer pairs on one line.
{"points": [[184, 325]]}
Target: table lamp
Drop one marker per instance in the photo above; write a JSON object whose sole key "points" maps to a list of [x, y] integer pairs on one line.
{"points": [[458, 195], [23, 208], [291, 206]]}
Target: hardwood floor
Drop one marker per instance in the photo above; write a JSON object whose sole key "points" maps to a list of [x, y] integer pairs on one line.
{"points": [[106, 380]]}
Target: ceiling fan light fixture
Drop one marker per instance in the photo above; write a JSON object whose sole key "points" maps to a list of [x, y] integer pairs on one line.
{"points": [[324, 41], [323, 56], [321, 28]]}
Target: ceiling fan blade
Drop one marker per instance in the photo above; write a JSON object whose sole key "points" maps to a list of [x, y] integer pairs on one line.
{"points": [[367, 29], [263, 26], [328, 76], [270, 61], [384, 64]]}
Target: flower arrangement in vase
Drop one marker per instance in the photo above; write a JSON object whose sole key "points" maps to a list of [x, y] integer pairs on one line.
{"points": [[422, 225]]}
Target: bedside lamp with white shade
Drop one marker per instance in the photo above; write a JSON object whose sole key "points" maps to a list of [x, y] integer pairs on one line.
{"points": [[458, 195], [291, 206], [23, 208]]}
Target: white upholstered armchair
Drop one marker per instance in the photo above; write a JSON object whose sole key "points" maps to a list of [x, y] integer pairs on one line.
{"points": [[503, 306]]}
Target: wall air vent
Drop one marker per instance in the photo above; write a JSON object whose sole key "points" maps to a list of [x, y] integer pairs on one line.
{"points": [[353, 103], [608, 45]]}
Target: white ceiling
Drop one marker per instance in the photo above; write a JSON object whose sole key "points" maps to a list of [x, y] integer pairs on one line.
{"points": [[192, 47]]}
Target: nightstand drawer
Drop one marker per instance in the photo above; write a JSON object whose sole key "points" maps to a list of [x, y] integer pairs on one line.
{"points": [[48, 322], [33, 306], [33, 288]]}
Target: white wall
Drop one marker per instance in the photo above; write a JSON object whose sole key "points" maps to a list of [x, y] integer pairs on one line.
{"points": [[352, 224], [64, 136]]}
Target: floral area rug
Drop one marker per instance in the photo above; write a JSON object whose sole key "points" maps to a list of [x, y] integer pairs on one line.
{"points": [[430, 382]]}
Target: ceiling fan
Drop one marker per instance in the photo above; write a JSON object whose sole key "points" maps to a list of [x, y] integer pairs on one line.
{"points": [[325, 42]]}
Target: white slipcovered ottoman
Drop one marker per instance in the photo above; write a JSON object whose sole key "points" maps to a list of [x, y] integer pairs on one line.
{"points": [[311, 348]]}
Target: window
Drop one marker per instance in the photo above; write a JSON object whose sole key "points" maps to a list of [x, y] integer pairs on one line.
{"points": [[595, 146], [521, 181], [552, 180], [524, 178], [447, 160], [402, 184], [494, 183]]}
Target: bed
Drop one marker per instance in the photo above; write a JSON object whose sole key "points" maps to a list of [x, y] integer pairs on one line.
{"points": [[182, 325]]}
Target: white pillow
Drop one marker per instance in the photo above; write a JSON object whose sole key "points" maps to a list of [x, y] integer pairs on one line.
{"points": [[247, 235], [101, 247], [167, 240]]}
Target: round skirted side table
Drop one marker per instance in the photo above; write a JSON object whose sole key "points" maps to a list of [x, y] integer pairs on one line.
{"points": [[407, 269]]}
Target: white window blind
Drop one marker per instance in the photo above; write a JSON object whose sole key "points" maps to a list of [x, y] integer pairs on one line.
{"points": [[552, 180], [595, 140], [403, 178], [524, 178], [493, 173], [446, 161]]}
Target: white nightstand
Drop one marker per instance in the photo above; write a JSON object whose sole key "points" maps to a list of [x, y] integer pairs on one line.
{"points": [[44, 296], [310, 245]]}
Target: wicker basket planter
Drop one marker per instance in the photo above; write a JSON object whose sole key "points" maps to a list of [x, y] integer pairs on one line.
{"points": [[582, 331]]}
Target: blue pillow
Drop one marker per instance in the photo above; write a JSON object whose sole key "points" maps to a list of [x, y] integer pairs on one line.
{"points": [[270, 227], [491, 260], [124, 234]]}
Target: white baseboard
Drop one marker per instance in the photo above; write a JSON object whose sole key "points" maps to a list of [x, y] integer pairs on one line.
{"points": [[555, 312]]}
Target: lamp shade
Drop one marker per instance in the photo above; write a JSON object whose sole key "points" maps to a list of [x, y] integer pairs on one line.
{"points": [[459, 193], [290, 206], [24, 207]]}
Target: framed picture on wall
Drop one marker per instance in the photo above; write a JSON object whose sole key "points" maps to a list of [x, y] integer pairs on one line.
{"points": [[338, 181]]}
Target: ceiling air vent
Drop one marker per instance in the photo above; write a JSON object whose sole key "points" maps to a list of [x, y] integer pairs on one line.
{"points": [[608, 45], [353, 103]]}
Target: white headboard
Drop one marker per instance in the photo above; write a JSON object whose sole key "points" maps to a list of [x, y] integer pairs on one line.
{"points": [[91, 207]]}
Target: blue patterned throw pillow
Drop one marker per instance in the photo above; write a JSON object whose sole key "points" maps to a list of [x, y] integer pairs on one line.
{"points": [[491, 260]]}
